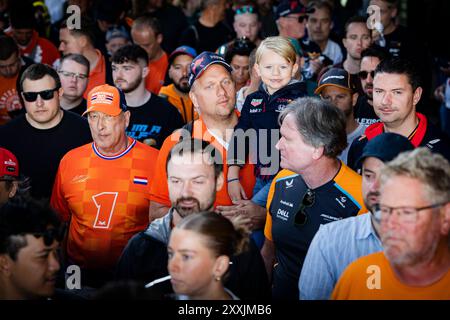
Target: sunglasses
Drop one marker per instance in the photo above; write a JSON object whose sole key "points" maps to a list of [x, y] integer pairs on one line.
{"points": [[300, 19], [45, 94], [244, 9], [363, 74], [308, 200]]}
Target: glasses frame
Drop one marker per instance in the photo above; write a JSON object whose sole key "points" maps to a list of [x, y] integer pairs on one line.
{"points": [[308, 200], [32, 96], [377, 214], [78, 76], [364, 74]]}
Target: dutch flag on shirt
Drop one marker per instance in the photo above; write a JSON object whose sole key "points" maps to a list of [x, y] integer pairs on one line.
{"points": [[140, 180]]}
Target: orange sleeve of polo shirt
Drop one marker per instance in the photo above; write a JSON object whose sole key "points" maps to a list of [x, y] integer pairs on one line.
{"points": [[157, 73], [97, 76]]}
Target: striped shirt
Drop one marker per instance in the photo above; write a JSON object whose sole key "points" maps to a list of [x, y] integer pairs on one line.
{"points": [[333, 248]]}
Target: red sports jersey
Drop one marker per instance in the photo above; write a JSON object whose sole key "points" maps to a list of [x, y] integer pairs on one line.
{"points": [[106, 200]]}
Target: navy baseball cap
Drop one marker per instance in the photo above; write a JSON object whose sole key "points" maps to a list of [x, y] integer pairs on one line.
{"points": [[182, 50], [202, 62], [286, 7], [385, 147], [335, 77]]}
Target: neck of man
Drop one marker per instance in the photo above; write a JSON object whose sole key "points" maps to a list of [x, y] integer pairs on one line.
{"points": [[138, 96], [68, 103], [180, 93], [223, 126], [351, 123], [403, 127], [47, 125], [157, 55], [116, 149], [92, 56], [390, 28], [322, 44], [429, 270], [209, 17], [351, 65], [328, 167]]}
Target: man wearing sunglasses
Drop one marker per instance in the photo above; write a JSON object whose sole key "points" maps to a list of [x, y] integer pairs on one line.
{"points": [[338, 244], [414, 218], [396, 92], [30, 235], [291, 18], [313, 188], [42, 136]]}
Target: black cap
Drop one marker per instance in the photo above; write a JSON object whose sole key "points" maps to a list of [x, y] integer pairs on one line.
{"points": [[334, 77], [385, 147], [286, 7]]}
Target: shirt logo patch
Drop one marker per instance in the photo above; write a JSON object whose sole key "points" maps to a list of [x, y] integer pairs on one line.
{"points": [[341, 201], [329, 218], [283, 214], [432, 142], [256, 102], [255, 110], [140, 180], [289, 184]]}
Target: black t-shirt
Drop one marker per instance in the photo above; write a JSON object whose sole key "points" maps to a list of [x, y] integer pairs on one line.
{"points": [[364, 113], [40, 150], [205, 38], [79, 109], [154, 121]]}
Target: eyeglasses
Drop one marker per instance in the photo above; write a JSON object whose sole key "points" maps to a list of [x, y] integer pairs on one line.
{"points": [[73, 74], [308, 200], [300, 19], [244, 9], [45, 94], [405, 214], [363, 74]]}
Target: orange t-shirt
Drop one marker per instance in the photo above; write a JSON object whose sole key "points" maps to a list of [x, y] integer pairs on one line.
{"points": [[97, 76], [9, 98], [183, 104], [372, 278], [160, 191], [106, 200], [157, 73]]}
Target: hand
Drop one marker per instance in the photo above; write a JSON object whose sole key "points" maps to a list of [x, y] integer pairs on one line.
{"points": [[251, 210], [316, 65], [236, 191]]}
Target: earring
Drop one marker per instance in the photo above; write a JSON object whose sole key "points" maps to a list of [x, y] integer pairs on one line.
{"points": [[217, 278]]}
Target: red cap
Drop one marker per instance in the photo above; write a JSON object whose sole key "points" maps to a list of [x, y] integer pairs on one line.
{"points": [[9, 166]]}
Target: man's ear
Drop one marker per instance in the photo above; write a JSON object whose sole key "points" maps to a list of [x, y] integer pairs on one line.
{"points": [[355, 98], [220, 181], [445, 219], [193, 98], [318, 153], [159, 38], [417, 95], [60, 92], [13, 191], [127, 115], [5, 265], [145, 72]]}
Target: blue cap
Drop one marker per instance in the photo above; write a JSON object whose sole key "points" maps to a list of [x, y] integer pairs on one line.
{"points": [[286, 7], [182, 50], [385, 147], [202, 62]]}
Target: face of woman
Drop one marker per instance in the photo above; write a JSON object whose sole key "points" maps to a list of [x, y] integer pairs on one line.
{"points": [[193, 266]]}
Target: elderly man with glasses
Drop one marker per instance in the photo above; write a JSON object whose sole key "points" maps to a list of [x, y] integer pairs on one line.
{"points": [[414, 218], [313, 188]]}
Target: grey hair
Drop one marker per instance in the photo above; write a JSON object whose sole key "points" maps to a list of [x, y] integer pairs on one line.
{"points": [[431, 169], [320, 123]]}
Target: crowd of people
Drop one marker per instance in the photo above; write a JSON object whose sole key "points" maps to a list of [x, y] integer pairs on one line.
{"points": [[221, 150]]}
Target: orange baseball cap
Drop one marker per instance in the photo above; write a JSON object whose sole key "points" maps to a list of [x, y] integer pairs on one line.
{"points": [[106, 99]]}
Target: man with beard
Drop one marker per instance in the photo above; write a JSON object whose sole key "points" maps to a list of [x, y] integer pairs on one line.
{"points": [[177, 93], [152, 118], [194, 176], [370, 59], [338, 244], [414, 223]]}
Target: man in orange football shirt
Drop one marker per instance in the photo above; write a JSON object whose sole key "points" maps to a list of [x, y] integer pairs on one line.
{"points": [[103, 189], [414, 217]]}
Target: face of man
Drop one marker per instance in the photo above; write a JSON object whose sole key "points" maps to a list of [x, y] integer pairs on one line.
{"points": [[289, 26], [370, 185], [214, 92], [296, 154], [246, 25], [108, 132], [240, 73], [192, 183], [179, 72], [69, 43], [115, 44], [341, 98], [147, 40], [368, 65], [74, 79], [23, 36], [387, 12], [393, 98], [412, 241], [10, 67], [129, 75], [319, 25], [33, 273], [42, 113], [357, 39]]}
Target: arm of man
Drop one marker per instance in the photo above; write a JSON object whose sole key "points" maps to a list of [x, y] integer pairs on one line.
{"points": [[268, 255]]}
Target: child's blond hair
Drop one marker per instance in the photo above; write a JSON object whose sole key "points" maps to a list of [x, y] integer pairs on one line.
{"points": [[279, 45]]}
